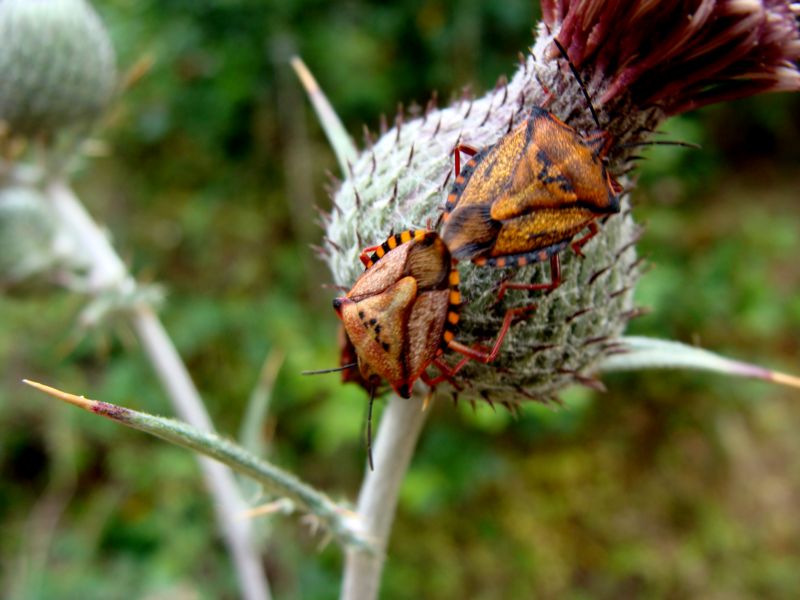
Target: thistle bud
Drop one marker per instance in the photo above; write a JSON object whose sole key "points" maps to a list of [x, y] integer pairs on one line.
{"points": [[56, 65]]}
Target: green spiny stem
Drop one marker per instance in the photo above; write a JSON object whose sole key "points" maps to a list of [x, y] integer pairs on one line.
{"points": [[337, 519]]}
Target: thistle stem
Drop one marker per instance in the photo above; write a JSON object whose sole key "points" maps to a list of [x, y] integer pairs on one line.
{"points": [[107, 273], [400, 427]]}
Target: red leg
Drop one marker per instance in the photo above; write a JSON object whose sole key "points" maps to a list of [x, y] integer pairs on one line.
{"points": [[580, 243], [457, 154], [365, 253], [446, 373], [481, 355], [555, 280]]}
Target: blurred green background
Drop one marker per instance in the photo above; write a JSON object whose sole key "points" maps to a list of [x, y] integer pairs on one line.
{"points": [[670, 485]]}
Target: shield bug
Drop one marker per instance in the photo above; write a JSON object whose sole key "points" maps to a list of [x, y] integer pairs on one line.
{"points": [[403, 311], [525, 198]]}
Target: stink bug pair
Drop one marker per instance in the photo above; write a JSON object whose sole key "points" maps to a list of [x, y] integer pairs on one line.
{"points": [[525, 199], [403, 312]]}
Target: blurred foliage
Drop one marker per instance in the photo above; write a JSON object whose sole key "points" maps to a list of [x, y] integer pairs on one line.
{"points": [[669, 485]]}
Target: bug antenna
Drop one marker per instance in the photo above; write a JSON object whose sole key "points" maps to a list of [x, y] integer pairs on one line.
{"points": [[662, 143], [369, 428], [333, 370], [578, 79]]}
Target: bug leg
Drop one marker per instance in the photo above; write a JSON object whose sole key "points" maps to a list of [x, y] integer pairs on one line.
{"points": [[364, 257], [580, 243], [446, 373], [487, 357], [555, 280], [470, 150]]}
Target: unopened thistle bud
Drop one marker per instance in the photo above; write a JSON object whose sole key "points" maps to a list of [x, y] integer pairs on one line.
{"points": [[56, 66]]}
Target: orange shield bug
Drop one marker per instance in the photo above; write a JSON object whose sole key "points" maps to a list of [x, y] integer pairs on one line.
{"points": [[525, 199], [403, 312]]}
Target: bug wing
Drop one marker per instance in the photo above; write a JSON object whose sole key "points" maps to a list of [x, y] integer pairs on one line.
{"points": [[428, 262], [376, 326], [558, 169], [425, 331], [540, 229], [383, 274]]}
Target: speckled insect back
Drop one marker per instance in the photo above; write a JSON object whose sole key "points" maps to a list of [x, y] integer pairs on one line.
{"points": [[540, 184], [403, 313], [401, 310], [524, 199]]}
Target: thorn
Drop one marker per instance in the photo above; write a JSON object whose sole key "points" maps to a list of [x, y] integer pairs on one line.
{"points": [[598, 273], [323, 214], [358, 199], [359, 241], [619, 292], [584, 380], [577, 314], [454, 395], [320, 251], [374, 163], [384, 127], [335, 246], [472, 404], [502, 81], [511, 408], [410, 155], [635, 265], [485, 396], [398, 121], [368, 140], [635, 313], [349, 169], [634, 240], [438, 126], [594, 340], [614, 350], [469, 108], [414, 109], [542, 348], [525, 393], [486, 117], [523, 63], [520, 103], [446, 179], [431, 105], [336, 206], [394, 192]]}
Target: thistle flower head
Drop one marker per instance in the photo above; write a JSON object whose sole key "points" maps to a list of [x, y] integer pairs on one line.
{"points": [[679, 56], [56, 65], [640, 62]]}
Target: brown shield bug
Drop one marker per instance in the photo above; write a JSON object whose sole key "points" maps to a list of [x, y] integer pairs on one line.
{"points": [[403, 312], [525, 199]]}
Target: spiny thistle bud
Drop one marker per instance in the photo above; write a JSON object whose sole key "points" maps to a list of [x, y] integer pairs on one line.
{"points": [[56, 65], [641, 61], [31, 244]]}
